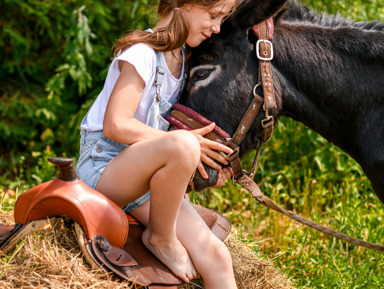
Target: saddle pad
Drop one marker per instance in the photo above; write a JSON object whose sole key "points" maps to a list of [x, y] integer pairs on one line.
{"points": [[134, 262]]}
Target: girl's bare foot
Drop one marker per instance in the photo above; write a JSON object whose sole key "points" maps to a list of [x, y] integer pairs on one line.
{"points": [[172, 254]]}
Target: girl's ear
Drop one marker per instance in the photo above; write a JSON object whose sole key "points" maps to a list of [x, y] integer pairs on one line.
{"points": [[186, 7], [252, 12]]}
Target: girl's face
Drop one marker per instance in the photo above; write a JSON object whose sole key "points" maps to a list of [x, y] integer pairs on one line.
{"points": [[202, 22]]}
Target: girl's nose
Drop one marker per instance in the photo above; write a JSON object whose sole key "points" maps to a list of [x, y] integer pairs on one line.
{"points": [[215, 28]]}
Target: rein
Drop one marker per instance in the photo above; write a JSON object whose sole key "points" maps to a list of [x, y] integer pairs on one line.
{"points": [[185, 118]]}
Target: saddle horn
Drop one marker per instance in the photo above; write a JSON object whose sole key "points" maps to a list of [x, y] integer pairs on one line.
{"points": [[66, 170]]}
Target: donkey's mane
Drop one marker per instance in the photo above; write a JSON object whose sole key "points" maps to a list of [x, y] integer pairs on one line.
{"points": [[348, 48], [299, 13]]}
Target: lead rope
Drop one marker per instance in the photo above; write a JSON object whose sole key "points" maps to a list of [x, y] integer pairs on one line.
{"points": [[264, 52], [267, 202]]}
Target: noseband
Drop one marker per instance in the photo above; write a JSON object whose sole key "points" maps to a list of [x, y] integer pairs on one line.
{"points": [[185, 118]]}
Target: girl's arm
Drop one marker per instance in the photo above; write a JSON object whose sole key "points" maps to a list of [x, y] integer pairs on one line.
{"points": [[119, 124]]}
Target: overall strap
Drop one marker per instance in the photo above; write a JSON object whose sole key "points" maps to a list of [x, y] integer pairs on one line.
{"points": [[159, 79], [185, 75], [183, 82], [159, 76]]}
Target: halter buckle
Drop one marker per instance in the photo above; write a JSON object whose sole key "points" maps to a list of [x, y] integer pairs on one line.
{"points": [[266, 120], [226, 156], [258, 50]]}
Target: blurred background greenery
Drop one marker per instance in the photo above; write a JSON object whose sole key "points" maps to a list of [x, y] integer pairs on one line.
{"points": [[54, 59]]}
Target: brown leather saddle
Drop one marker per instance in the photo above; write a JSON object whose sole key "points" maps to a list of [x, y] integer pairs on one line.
{"points": [[107, 235]]}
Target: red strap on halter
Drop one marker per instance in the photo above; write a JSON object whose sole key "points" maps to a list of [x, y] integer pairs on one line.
{"points": [[270, 28]]}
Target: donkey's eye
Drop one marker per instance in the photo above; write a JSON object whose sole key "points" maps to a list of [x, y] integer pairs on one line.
{"points": [[202, 74]]}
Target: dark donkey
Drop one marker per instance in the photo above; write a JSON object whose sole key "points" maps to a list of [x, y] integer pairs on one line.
{"points": [[328, 74]]}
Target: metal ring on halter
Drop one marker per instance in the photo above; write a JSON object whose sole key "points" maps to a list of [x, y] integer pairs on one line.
{"points": [[236, 183], [254, 89]]}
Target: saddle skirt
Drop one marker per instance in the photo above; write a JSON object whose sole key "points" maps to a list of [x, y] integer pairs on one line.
{"points": [[108, 237]]}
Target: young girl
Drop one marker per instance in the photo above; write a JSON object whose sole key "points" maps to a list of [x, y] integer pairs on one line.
{"points": [[127, 154]]}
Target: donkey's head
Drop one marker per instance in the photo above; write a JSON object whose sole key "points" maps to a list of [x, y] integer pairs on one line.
{"points": [[223, 71]]}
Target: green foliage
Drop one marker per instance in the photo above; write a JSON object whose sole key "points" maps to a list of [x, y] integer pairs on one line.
{"points": [[54, 59], [357, 10]]}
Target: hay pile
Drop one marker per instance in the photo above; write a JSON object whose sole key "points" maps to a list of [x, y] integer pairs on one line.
{"points": [[54, 260]]}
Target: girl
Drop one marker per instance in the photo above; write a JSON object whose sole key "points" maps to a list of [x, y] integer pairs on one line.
{"points": [[127, 154]]}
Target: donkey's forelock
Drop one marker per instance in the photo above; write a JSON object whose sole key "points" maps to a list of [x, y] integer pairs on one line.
{"points": [[251, 12]]}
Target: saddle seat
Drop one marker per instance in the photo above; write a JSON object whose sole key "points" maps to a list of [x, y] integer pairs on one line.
{"points": [[107, 235]]}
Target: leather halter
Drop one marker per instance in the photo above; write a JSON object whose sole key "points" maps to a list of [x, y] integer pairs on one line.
{"points": [[264, 53]]}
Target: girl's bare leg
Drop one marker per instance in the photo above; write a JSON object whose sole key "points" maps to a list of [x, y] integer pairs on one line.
{"points": [[209, 255], [164, 166]]}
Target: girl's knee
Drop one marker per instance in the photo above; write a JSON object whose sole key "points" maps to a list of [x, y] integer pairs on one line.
{"points": [[184, 146], [219, 258], [223, 255]]}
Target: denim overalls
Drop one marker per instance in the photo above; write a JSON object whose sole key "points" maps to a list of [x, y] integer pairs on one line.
{"points": [[96, 151], [160, 107]]}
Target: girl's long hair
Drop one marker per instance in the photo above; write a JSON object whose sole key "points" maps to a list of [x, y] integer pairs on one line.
{"points": [[168, 38]]}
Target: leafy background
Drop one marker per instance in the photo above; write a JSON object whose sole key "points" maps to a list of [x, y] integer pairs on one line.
{"points": [[54, 58]]}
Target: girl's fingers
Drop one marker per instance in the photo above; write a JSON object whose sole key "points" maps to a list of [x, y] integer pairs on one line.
{"points": [[210, 162], [223, 176], [227, 173], [213, 145], [216, 156], [204, 142], [220, 180], [212, 148], [202, 171], [204, 130]]}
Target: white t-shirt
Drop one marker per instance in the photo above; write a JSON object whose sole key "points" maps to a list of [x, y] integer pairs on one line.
{"points": [[143, 58]]}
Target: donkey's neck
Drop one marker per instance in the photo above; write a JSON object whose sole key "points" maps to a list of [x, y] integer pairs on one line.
{"points": [[331, 78]]}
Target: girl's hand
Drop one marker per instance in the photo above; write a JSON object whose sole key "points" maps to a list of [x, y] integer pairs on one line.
{"points": [[209, 150], [224, 175]]}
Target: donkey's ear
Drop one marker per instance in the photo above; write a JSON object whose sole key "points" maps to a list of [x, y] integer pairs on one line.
{"points": [[251, 12]]}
